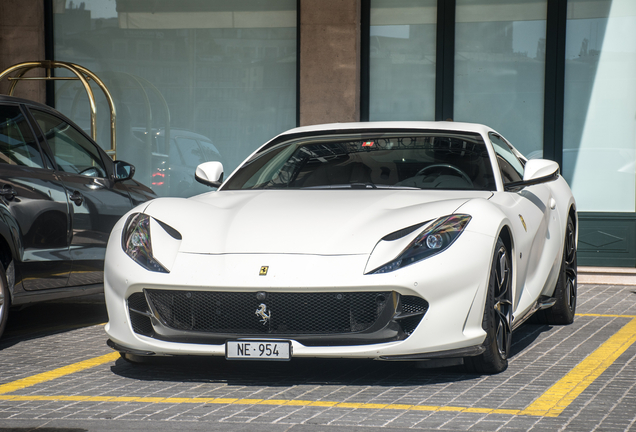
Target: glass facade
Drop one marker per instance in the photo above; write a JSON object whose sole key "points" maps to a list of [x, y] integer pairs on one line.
{"points": [[192, 80], [402, 60], [599, 152], [500, 68]]}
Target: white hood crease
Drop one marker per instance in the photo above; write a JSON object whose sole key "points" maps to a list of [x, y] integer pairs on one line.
{"points": [[318, 222]]}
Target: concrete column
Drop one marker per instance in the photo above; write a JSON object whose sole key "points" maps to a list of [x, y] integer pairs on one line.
{"points": [[22, 39], [329, 61]]}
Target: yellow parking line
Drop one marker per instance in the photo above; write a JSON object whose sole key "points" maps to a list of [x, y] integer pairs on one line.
{"points": [[550, 404], [560, 395], [56, 373], [227, 401]]}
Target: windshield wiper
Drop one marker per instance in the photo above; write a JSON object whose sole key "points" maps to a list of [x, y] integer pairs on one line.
{"points": [[363, 186], [360, 186]]}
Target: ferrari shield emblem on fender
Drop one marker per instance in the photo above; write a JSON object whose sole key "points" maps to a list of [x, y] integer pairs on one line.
{"points": [[524, 223], [262, 313], [263, 271]]}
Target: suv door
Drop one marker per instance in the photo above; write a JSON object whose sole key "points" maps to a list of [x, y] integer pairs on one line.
{"points": [[33, 205], [95, 201]]}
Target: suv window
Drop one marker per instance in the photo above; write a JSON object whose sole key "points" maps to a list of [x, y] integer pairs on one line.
{"points": [[17, 145], [190, 151], [510, 166], [210, 153], [73, 152]]}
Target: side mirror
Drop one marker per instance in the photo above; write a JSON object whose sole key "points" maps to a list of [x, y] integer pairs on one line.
{"points": [[209, 173], [538, 168], [535, 172], [123, 170]]}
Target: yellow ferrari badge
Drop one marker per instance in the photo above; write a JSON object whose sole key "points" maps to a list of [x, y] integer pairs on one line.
{"points": [[263, 271]]}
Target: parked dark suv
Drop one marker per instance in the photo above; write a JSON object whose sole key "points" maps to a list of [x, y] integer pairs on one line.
{"points": [[60, 196]]}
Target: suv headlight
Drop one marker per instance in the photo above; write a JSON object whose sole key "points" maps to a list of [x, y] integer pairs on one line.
{"points": [[435, 238], [137, 244]]}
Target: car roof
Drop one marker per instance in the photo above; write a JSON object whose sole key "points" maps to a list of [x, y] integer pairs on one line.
{"points": [[13, 99], [424, 125]]}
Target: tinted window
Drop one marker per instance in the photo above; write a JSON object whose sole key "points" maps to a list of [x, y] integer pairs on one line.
{"points": [[72, 151], [510, 166], [441, 160], [17, 146], [190, 151], [210, 153]]}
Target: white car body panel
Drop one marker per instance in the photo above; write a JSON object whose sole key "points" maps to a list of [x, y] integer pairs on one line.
{"points": [[329, 240]]}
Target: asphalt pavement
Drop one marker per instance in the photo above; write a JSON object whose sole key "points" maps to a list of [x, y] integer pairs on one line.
{"points": [[57, 374]]}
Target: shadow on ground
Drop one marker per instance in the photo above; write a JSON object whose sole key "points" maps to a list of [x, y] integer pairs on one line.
{"points": [[303, 371], [47, 318]]}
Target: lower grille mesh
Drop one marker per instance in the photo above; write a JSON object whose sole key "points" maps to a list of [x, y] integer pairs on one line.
{"points": [[289, 313]]}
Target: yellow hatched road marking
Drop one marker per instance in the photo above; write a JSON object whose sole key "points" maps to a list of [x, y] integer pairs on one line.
{"points": [[560, 395], [56, 373], [550, 404]]}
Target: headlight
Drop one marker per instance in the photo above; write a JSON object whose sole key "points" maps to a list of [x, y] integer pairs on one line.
{"points": [[137, 244], [435, 238]]}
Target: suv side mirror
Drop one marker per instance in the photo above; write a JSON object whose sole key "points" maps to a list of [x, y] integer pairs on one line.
{"points": [[210, 173], [123, 170]]}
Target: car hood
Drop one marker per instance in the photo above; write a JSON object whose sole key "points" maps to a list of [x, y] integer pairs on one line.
{"points": [[321, 222]]}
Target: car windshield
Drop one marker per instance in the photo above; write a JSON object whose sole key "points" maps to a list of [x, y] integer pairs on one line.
{"points": [[422, 160]]}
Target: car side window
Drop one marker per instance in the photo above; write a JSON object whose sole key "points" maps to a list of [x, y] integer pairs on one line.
{"points": [[210, 153], [190, 151], [17, 144], [73, 153], [510, 166]]}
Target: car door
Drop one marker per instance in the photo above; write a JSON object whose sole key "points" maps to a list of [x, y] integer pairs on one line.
{"points": [[530, 210], [33, 204], [95, 201]]}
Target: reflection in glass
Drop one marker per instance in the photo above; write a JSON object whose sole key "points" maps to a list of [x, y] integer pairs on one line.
{"points": [[224, 72], [435, 160], [500, 68], [402, 60], [600, 104]]}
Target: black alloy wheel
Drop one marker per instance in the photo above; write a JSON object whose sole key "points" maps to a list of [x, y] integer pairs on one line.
{"points": [[565, 291], [570, 266], [497, 316], [503, 305]]}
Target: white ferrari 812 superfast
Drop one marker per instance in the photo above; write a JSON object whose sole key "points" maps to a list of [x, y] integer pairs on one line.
{"points": [[396, 241]]}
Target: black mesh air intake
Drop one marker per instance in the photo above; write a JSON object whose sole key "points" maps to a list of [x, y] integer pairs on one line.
{"points": [[413, 310], [137, 306], [288, 313]]}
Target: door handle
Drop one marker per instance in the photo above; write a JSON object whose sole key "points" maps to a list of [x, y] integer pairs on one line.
{"points": [[8, 192], [77, 198]]}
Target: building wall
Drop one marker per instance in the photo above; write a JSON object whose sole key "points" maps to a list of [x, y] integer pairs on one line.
{"points": [[329, 61], [22, 39]]}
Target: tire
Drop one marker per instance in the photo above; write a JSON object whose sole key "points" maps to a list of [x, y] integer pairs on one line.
{"points": [[565, 292], [497, 316], [5, 300]]}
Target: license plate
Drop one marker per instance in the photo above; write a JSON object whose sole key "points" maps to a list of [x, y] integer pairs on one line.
{"points": [[257, 350]]}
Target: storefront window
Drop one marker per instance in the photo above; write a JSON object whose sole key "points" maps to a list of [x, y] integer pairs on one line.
{"points": [[500, 68], [196, 70], [600, 104], [402, 60]]}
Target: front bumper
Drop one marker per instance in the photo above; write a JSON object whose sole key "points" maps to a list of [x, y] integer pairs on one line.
{"points": [[451, 322]]}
